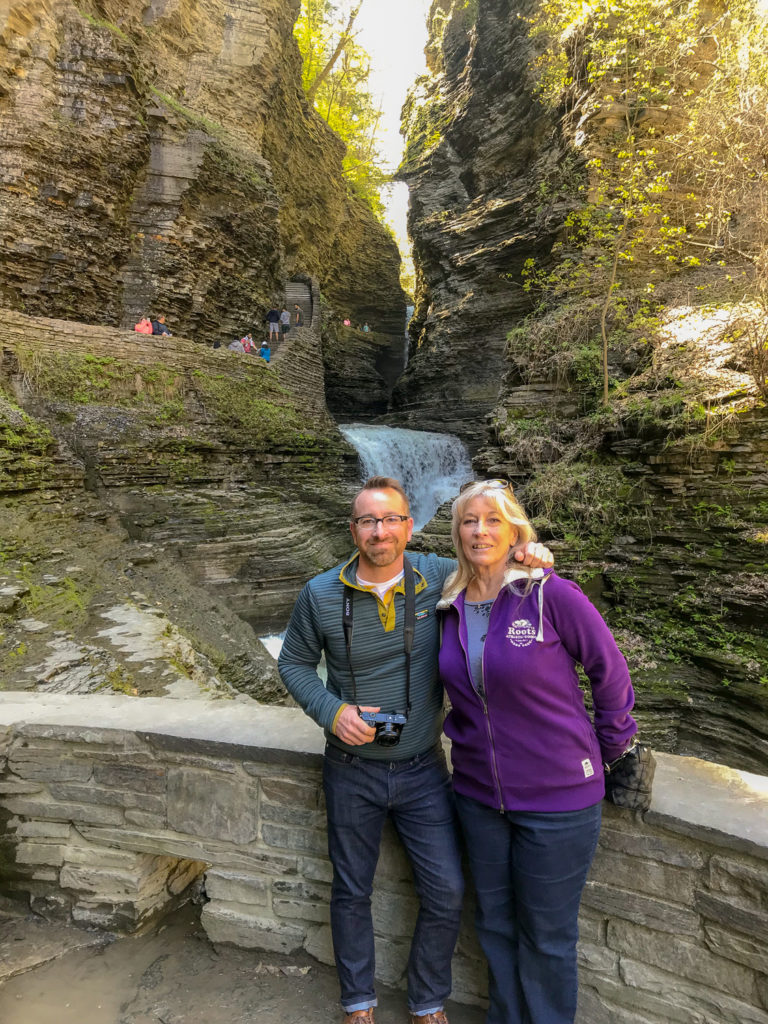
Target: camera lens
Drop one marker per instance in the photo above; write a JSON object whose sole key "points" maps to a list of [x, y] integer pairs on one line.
{"points": [[388, 734]]}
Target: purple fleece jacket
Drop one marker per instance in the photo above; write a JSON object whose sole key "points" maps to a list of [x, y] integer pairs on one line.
{"points": [[530, 744]]}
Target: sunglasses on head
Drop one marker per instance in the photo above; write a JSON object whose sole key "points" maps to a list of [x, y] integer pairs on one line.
{"points": [[497, 484]]}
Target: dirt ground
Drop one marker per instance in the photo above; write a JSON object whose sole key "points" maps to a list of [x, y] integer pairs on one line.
{"points": [[51, 974]]}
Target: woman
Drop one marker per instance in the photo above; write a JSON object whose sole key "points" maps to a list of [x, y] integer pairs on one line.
{"points": [[527, 759]]}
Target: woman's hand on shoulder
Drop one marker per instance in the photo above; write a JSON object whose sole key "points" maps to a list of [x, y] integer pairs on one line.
{"points": [[535, 555]]}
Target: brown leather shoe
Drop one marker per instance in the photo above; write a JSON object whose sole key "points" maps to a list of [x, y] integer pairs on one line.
{"points": [[439, 1017], [359, 1017]]}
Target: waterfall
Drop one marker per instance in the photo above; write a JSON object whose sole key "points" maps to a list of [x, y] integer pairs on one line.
{"points": [[431, 467], [408, 314]]}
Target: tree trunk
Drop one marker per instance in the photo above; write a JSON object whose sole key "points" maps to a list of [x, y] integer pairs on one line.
{"points": [[343, 39]]}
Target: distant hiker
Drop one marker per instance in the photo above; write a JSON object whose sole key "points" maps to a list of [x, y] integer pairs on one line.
{"points": [[236, 346], [144, 326], [217, 344], [158, 326], [366, 328], [285, 322], [273, 322], [247, 343], [347, 322], [298, 315], [265, 352]]}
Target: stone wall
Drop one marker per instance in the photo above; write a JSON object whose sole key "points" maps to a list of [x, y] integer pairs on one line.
{"points": [[111, 807]]}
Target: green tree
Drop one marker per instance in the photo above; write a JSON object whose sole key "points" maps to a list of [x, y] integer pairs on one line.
{"points": [[666, 101], [335, 76]]}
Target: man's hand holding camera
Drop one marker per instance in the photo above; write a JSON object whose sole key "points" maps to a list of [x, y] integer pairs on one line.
{"points": [[351, 729]]}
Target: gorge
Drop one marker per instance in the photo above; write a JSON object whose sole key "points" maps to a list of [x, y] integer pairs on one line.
{"points": [[162, 502], [656, 503]]}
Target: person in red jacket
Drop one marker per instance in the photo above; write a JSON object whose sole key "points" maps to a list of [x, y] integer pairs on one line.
{"points": [[144, 326]]}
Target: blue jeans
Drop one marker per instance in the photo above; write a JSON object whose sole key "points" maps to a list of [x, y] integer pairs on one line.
{"points": [[359, 795], [529, 871]]}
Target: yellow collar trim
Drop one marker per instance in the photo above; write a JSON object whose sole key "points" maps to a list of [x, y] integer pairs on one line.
{"points": [[386, 606]]}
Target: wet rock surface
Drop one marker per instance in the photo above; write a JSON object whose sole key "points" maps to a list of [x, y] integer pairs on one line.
{"points": [[361, 370], [159, 495], [60, 975]]}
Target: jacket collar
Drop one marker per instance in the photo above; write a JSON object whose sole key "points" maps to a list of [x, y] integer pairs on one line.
{"points": [[348, 576], [511, 577]]}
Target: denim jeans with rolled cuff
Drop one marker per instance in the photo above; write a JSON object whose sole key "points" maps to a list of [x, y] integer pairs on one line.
{"points": [[360, 794], [529, 870]]}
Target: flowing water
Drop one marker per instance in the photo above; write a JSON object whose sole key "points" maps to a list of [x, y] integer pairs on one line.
{"points": [[431, 467]]}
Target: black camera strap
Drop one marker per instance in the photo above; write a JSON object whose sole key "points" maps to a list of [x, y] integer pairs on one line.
{"points": [[409, 629]]}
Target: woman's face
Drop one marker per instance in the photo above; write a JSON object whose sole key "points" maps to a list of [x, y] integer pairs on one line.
{"points": [[485, 534]]}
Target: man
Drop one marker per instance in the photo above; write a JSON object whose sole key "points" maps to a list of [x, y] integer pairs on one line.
{"points": [[285, 323], [298, 315], [273, 323], [364, 781], [159, 327]]}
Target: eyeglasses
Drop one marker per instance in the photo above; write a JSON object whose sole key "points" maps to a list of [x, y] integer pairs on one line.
{"points": [[499, 484], [369, 522]]}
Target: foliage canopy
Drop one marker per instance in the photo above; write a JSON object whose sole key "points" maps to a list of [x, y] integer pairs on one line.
{"points": [[666, 102], [335, 76]]}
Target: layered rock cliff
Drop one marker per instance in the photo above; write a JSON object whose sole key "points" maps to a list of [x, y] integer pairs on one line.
{"points": [[658, 500], [161, 157], [157, 495], [361, 370], [477, 146]]}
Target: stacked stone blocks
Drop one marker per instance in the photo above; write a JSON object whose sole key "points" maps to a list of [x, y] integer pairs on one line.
{"points": [[673, 929], [108, 832], [111, 826]]}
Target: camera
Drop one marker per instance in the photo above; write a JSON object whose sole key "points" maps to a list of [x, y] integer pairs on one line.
{"points": [[388, 726]]}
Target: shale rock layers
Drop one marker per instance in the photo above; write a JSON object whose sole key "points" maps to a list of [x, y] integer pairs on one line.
{"points": [[161, 158], [657, 500], [477, 146]]}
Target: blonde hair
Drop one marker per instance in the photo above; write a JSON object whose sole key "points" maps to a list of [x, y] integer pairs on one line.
{"points": [[503, 498]]}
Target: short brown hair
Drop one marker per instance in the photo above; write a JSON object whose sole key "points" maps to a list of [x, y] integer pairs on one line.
{"points": [[381, 483]]}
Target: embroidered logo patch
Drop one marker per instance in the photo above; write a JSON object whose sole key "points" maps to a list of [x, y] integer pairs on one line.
{"points": [[423, 614], [521, 633], [589, 771]]}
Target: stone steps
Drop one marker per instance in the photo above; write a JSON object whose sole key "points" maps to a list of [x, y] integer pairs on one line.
{"points": [[297, 291]]}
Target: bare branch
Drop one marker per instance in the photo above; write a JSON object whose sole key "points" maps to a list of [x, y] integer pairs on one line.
{"points": [[340, 46]]}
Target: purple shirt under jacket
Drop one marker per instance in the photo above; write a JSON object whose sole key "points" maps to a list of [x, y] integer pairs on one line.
{"points": [[532, 745]]}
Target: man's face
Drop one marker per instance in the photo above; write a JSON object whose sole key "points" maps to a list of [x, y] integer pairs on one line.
{"points": [[382, 546]]}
